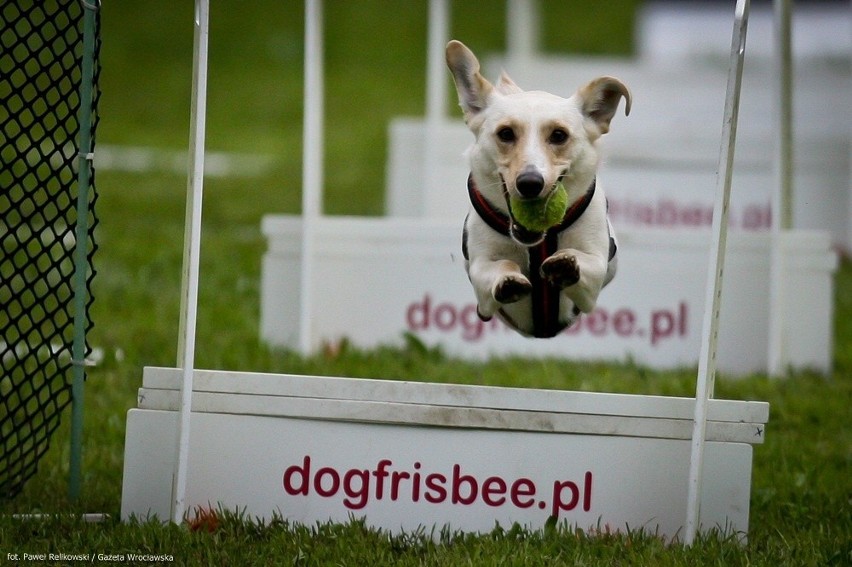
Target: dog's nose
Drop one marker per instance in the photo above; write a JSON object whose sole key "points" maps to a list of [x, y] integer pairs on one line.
{"points": [[529, 183]]}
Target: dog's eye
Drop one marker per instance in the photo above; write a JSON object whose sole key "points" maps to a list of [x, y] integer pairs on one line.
{"points": [[506, 134], [558, 137]]}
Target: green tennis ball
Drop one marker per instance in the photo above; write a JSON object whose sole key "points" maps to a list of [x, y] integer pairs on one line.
{"points": [[540, 214]]}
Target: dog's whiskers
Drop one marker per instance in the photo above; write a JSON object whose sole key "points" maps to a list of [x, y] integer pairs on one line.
{"points": [[498, 184]]}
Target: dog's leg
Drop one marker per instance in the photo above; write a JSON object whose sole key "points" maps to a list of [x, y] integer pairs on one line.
{"points": [[579, 274], [497, 283]]}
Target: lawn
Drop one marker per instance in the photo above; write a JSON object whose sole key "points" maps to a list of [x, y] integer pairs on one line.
{"points": [[801, 512]]}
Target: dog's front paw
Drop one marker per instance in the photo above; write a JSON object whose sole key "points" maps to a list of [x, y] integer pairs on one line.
{"points": [[561, 270], [511, 288]]}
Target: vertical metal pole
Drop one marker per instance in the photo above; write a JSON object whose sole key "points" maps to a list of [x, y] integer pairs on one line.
{"points": [[436, 74], [522, 28], [81, 265], [436, 92], [710, 327], [191, 254], [784, 158], [312, 164], [782, 197]]}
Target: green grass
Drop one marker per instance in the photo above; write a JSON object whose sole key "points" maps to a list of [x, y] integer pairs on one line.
{"points": [[800, 508]]}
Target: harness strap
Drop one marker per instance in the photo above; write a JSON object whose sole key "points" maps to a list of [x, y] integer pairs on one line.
{"points": [[545, 296]]}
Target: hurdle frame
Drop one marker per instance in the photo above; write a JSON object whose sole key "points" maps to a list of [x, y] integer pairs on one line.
{"points": [[312, 205]]}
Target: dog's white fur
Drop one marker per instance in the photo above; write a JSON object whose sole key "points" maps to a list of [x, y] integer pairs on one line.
{"points": [[519, 137]]}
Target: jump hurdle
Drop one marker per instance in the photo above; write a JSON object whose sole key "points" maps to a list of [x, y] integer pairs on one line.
{"points": [[651, 313], [408, 455]]}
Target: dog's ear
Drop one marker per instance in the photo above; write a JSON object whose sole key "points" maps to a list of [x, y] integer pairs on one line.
{"points": [[472, 87], [599, 100]]}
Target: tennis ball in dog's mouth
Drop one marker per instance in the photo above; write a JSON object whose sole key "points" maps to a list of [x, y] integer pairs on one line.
{"points": [[542, 213]]}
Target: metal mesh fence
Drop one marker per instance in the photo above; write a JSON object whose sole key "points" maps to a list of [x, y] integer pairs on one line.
{"points": [[41, 50]]}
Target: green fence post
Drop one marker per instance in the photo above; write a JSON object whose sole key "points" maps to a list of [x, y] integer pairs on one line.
{"points": [[81, 251]]}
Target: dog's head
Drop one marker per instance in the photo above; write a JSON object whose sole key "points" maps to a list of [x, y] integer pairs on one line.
{"points": [[533, 139]]}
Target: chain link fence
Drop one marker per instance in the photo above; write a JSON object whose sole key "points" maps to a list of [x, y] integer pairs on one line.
{"points": [[41, 51]]}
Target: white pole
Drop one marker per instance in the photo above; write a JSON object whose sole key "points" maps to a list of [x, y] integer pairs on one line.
{"points": [[191, 254], [782, 215], [522, 28], [710, 327], [312, 164], [436, 70], [436, 90]]}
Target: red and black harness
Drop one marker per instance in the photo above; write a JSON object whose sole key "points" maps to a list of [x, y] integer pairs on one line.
{"points": [[545, 295]]}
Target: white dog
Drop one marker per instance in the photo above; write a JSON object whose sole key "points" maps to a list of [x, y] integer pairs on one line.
{"points": [[527, 143]]}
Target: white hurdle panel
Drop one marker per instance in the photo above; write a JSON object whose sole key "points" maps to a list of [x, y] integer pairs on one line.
{"points": [[408, 455], [380, 278]]}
